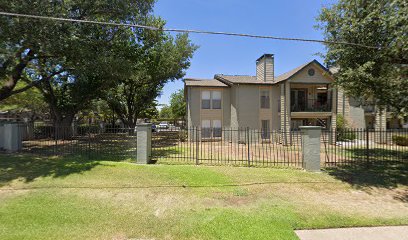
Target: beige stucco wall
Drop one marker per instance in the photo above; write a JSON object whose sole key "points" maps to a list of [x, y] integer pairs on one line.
{"points": [[193, 107], [356, 117], [318, 77], [275, 98], [247, 106]]}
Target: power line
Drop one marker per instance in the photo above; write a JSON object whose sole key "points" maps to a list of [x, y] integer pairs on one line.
{"points": [[182, 30]]}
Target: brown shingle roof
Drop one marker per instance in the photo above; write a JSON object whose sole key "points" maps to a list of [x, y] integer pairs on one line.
{"points": [[240, 79], [196, 82], [221, 80]]}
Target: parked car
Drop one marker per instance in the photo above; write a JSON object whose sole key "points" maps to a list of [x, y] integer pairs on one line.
{"points": [[164, 125]]}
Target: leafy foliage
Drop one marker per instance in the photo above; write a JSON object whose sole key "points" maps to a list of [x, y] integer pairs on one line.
{"points": [[161, 59], [178, 104], [30, 101], [342, 134], [71, 64], [400, 140], [379, 73], [165, 112]]}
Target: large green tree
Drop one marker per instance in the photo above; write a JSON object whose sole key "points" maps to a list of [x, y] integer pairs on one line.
{"points": [[70, 63], [178, 104], [162, 58], [379, 73]]}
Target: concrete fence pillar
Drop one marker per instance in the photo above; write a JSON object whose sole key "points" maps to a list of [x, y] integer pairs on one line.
{"points": [[12, 141], [311, 147], [144, 143]]}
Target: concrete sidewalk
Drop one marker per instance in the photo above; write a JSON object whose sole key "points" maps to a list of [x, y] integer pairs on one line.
{"points": [[361, 233]]}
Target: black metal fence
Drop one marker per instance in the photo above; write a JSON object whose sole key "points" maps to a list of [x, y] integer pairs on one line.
{"points": [[90, 141], [219, 146], [364, 146]]}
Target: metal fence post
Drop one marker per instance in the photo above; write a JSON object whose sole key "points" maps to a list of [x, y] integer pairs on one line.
{"points": [[89, 139], [2, 135], [367, 148], [197, 145], [55, 138], [249, 153]]}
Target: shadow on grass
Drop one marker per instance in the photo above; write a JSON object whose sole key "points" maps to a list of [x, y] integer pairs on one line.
{"points": [[29, 167], [386, 168], [112, 148]]}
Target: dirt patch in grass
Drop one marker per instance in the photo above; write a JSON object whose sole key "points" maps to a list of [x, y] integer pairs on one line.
{"points": [[375, 203]]}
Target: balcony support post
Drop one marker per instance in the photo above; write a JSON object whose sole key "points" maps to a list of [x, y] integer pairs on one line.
{"points": [[333, 120], [285, 113]]}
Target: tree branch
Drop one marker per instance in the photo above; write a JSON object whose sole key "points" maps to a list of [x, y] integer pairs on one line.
{"points": [[36, 83]]}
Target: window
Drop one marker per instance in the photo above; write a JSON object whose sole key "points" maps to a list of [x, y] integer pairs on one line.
{"points": [[216, 99], [265, 99], [205, 99], [206, 129], [211, 99], [265, 131], [211, 129], [217, 132]]}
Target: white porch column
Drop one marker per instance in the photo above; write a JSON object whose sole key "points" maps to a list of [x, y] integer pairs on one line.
{"points": [[285, 112], [333, 116], [380, 125]]}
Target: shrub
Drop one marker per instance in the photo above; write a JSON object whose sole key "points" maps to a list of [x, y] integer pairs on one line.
{"points": [[400, 140], [85, 129], [43, 131], [343, 135], [183, 136]]}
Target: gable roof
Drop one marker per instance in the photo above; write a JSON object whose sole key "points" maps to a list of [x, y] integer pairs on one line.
{"points": [[221, 80], [291, 73], [196, 82]]}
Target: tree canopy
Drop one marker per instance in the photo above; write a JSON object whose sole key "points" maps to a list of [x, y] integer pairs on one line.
{"points": [[178, 104], [73, 64], [164, 59], [377, 74]]}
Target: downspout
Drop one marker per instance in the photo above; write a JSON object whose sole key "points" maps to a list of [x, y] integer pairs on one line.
{"points": [[285, 106]]}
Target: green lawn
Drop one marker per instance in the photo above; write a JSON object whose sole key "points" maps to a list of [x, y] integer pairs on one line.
{"points": [[74, 198]]}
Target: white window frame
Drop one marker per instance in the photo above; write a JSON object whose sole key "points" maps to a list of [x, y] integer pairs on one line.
{"points": [[205, 99], [215, 132], [211, 99]]}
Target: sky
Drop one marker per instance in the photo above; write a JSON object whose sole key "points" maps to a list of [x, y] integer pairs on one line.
{"points": [[234, 55]]}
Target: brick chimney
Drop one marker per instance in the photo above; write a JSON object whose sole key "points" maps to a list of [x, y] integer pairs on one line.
{"points": [[265, 68]]}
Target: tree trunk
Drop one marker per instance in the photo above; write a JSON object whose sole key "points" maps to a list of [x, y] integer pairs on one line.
{"points": [[63, 127]]}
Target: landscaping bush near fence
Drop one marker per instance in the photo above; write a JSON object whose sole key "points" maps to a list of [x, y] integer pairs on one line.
{"points": [[400, 140]]}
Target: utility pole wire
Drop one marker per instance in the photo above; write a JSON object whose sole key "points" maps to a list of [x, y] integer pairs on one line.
{"points": [[182, 30]]}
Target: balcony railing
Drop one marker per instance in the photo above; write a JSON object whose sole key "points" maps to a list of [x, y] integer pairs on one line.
{"points": [[311, 105]]}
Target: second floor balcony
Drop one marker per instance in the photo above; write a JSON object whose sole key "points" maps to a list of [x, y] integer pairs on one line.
{"points": [[311, 105], [313, 99]]}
